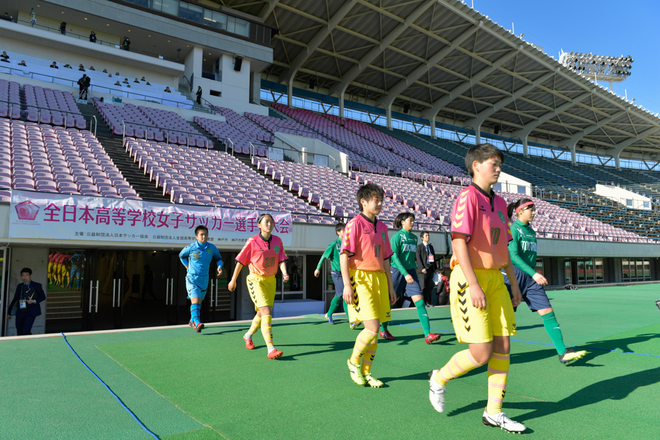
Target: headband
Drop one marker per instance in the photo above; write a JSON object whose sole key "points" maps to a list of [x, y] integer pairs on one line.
{"points": [[523, 205]]}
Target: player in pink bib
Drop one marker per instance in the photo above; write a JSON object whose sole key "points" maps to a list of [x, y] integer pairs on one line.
{"points": [[264, 253]]}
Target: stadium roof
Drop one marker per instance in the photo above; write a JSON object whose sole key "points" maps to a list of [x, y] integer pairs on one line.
{"points": [[440, 57]]}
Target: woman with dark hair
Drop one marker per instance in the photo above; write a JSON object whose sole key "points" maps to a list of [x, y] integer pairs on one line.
{"points": [[523, 256], [264, 253], [404, 273]]}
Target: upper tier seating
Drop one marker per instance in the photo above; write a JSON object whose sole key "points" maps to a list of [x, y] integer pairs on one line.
{"points": [[210, 177], [403, 149], [353, 142], [10, 99], [155, 124], [52, 107], [39, 69], [43, 158], [273, 125]]}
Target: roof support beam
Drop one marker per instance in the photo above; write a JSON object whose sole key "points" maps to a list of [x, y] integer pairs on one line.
{"points": [[458, 91], [384, 44], [577, 136], [316, 41], [267, 9], [621, 146], [421, 70], [522, 133], [481, 117]]}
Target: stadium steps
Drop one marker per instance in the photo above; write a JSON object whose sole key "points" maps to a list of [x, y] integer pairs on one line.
{"points": [[131, 171], [278, 114], [64, 305]]}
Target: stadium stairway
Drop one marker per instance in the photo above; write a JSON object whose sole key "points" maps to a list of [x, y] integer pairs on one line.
{"points": [[131, 171]]}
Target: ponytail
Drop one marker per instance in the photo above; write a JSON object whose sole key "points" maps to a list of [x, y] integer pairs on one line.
{"points": [[512, 207]]}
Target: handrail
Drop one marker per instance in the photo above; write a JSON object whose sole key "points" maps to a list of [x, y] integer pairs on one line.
{"points": [[166, 132], [211, 107], [98, 41], [85, 115], [101, 89]]}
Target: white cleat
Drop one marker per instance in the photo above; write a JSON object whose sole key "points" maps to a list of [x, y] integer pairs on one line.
{"points": [[437, 393], [500, 420]]}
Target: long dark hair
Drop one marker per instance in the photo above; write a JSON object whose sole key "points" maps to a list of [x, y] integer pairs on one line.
{"points": [[402, 218], [511, 207]]}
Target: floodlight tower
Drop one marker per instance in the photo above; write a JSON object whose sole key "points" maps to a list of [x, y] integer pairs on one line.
{"points": [[598, 67]]}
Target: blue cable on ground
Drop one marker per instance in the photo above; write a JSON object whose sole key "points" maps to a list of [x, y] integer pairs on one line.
{"points": [[108, 388]]}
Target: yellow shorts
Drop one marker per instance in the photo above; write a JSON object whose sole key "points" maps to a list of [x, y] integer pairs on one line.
{"points": [[50, 268], [372, 296], [475, 326], [262, 290]]}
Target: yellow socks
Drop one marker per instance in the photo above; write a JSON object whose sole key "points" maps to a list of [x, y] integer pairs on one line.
{"points": [[368, 357], [461, 363], [267, 331], [498, 372], [256, 324], [363, 341]]}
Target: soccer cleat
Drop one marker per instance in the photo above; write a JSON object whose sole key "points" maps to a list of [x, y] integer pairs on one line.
{"points": [[387, 335], [372, 381], [199, 327], [356, 373], [248, 343], [657, 303], [329, 318], [190, 324], [500, 420], [571, 355], [432, 337], [355, 325], [436, 393], [274, 354]]}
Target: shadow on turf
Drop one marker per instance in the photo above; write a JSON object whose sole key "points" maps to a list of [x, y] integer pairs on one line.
{"points": [[616, 388], [594, 350]]}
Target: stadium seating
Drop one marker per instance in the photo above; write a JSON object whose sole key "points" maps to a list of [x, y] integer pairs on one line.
{"points": [[154, 124], [213, 178], [278, 124], [55, 107], [38, 68], [239, 129], [58, 160], [10, 100], [331, 191], [356, 143]]}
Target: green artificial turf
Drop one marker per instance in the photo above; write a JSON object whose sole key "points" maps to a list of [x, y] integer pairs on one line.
{"points": [[183, 385]]}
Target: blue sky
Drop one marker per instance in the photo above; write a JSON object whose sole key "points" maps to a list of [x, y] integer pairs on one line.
{"points": [[604, 27]]}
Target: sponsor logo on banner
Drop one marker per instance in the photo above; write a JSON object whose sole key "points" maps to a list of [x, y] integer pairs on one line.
{"points": [[70, 217]]}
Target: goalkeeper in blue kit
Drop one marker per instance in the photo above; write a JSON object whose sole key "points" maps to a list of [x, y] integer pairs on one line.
{"points": [[197, 257]]}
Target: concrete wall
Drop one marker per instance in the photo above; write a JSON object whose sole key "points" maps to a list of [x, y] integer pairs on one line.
{"points": [[36, 258], [622, 196], [49, 46], [339, 161], [165, 26], [510, 184], [234, 88]]}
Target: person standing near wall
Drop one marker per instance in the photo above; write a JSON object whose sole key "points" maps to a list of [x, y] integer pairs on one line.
{"points": [[27, 298]]}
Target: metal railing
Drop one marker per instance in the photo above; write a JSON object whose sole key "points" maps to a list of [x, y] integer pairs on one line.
{"points": [[93, 123], [210, 107], [99, 89], [56, 30], [166, 133]]}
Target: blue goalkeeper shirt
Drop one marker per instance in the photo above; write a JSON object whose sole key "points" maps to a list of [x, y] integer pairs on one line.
{"points": [[198, 257]]}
